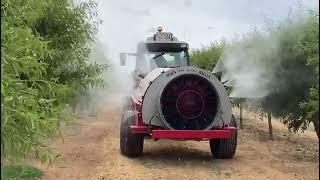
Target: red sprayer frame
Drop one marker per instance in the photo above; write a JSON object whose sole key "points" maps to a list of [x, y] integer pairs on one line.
{"points": [[141, 128]]}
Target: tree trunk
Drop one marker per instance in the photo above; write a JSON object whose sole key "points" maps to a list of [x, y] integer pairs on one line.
{"points": [[270, 126], [315, 122], [88, 104], [74, 108], [241, 124]]}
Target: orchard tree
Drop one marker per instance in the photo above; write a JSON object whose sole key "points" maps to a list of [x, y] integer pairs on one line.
{"points": [[310, 44], [44, 65], [291, 77], [207, 57]]}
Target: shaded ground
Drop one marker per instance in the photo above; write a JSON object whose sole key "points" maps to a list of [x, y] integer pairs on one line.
{"points": [[91, 151]]}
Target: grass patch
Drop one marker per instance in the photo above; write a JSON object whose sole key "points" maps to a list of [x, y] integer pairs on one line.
{"points": [[20, 172]]}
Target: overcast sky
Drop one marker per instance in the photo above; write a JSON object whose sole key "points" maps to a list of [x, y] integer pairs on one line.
{"points": [[197, 21]]}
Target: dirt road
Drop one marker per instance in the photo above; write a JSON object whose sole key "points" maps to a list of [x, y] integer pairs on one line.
{"points": [[91, 151]]}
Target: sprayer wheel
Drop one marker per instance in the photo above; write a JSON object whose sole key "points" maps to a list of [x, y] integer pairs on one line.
{"points": [[225, 148], [131, 145]]}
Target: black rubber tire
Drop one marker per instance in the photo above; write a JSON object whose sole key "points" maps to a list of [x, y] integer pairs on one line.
{"points": [[131, 145], [225, 148]]}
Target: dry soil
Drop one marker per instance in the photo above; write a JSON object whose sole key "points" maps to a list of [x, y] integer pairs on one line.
{"points": [[90, 150]]}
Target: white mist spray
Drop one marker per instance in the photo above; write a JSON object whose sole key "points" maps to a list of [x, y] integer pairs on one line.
{"points": [[249, 64], [243, 69]]}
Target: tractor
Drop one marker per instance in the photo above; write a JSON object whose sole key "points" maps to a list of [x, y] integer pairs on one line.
{"points": [[172, 100]]}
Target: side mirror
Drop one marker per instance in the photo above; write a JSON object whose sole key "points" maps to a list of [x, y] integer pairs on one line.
{"points": [[122, 59]]}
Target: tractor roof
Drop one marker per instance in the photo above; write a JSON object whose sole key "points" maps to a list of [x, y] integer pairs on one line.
{"points": [[165, 41]]}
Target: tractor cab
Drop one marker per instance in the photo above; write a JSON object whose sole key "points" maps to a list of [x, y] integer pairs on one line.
{"points": [[162, 50]]}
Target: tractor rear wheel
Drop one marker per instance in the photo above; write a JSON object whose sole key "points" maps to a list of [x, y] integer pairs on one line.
{"points": [[131, 145], [225, 148]]}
